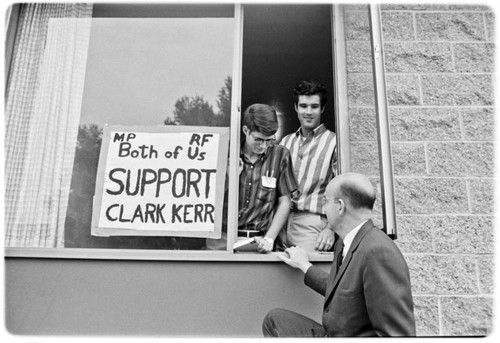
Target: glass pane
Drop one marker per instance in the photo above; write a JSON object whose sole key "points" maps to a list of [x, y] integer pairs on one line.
{"points": [[147, 71]]}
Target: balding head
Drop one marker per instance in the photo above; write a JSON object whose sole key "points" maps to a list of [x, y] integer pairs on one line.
{"points": [[354, 188]]}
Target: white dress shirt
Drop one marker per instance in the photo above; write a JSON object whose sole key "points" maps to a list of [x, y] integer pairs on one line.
{"points": [[350, 237]]}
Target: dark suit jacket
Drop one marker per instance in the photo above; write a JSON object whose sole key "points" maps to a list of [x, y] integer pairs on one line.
{"points": [[371, 294]]}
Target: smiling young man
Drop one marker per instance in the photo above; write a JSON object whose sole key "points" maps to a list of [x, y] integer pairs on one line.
{"points": [[267, 181], [313, 149]]}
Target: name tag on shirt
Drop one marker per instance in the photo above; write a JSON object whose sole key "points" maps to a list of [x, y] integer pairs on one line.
{"points": [[268, 181]]}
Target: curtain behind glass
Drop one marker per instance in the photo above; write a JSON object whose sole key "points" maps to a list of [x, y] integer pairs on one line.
{"points": [[43, 103]]}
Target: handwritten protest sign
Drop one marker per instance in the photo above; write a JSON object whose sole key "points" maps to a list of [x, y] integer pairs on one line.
{"points": [[161, 180]]}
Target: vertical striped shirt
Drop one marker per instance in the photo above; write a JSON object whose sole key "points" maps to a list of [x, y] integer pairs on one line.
{"points": [[314, 160], [257, 198]]}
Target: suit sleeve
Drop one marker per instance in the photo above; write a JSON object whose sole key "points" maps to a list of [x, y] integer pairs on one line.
{"points": [[388, 293], [317, 279]]}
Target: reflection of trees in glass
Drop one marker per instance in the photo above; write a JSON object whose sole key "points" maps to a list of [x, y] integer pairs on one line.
{"points": [[224, 102], [79, 213], [89, 140], [195, 110]]}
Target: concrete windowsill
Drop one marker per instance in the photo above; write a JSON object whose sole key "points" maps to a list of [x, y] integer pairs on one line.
{"points": [[160, 255]]}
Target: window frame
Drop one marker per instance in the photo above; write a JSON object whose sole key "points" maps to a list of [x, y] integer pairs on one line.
{"points": [[343, 143]]}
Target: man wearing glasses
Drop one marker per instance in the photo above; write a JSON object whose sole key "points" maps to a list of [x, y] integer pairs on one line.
{"points": [[368, 290], [314, 157], [267, 181]]}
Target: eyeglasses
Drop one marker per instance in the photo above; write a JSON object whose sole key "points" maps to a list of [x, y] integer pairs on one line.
{"points": [[269, 141], [325, 200]]}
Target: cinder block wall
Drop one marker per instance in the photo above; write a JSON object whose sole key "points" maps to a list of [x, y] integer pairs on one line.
{"points": [[439, 68]]}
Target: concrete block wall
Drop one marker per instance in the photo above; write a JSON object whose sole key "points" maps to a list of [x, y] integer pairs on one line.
{"points": [[439, 63]]}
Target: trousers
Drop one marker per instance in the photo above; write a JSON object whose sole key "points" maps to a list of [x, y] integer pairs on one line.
{"points": [[303, 229], [284, 323]]}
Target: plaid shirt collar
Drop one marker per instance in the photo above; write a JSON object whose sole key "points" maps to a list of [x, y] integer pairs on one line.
{"points": [[261, 156]]}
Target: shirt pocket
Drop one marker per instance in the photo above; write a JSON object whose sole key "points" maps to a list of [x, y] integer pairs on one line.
{"points": [[265, 194]]}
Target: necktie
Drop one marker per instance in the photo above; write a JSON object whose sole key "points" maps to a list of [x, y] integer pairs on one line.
{"points": [[339, 256]]}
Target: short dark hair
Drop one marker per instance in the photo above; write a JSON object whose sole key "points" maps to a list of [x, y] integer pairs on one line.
{"points": [[357, 196], [261, 118], [309, 87]]}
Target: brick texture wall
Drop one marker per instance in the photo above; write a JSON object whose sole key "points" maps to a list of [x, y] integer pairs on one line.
{"points": [[439, 63]]}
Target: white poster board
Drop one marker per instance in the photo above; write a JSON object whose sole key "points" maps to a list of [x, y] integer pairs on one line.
{"points": [[161, 181]]}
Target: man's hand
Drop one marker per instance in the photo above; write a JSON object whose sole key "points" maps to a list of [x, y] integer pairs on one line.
{"points": [[297, 258], [325, 240], [265, 244]]}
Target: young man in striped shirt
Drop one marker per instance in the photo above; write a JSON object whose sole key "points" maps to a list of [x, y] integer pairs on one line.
{"points": [[314, 157], [267, 180]]}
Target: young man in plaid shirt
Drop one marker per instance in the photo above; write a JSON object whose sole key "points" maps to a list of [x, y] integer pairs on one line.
{"points": [[267, 181]]}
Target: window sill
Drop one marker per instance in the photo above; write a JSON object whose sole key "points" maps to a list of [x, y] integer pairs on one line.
{"points": [[158, 255]]}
